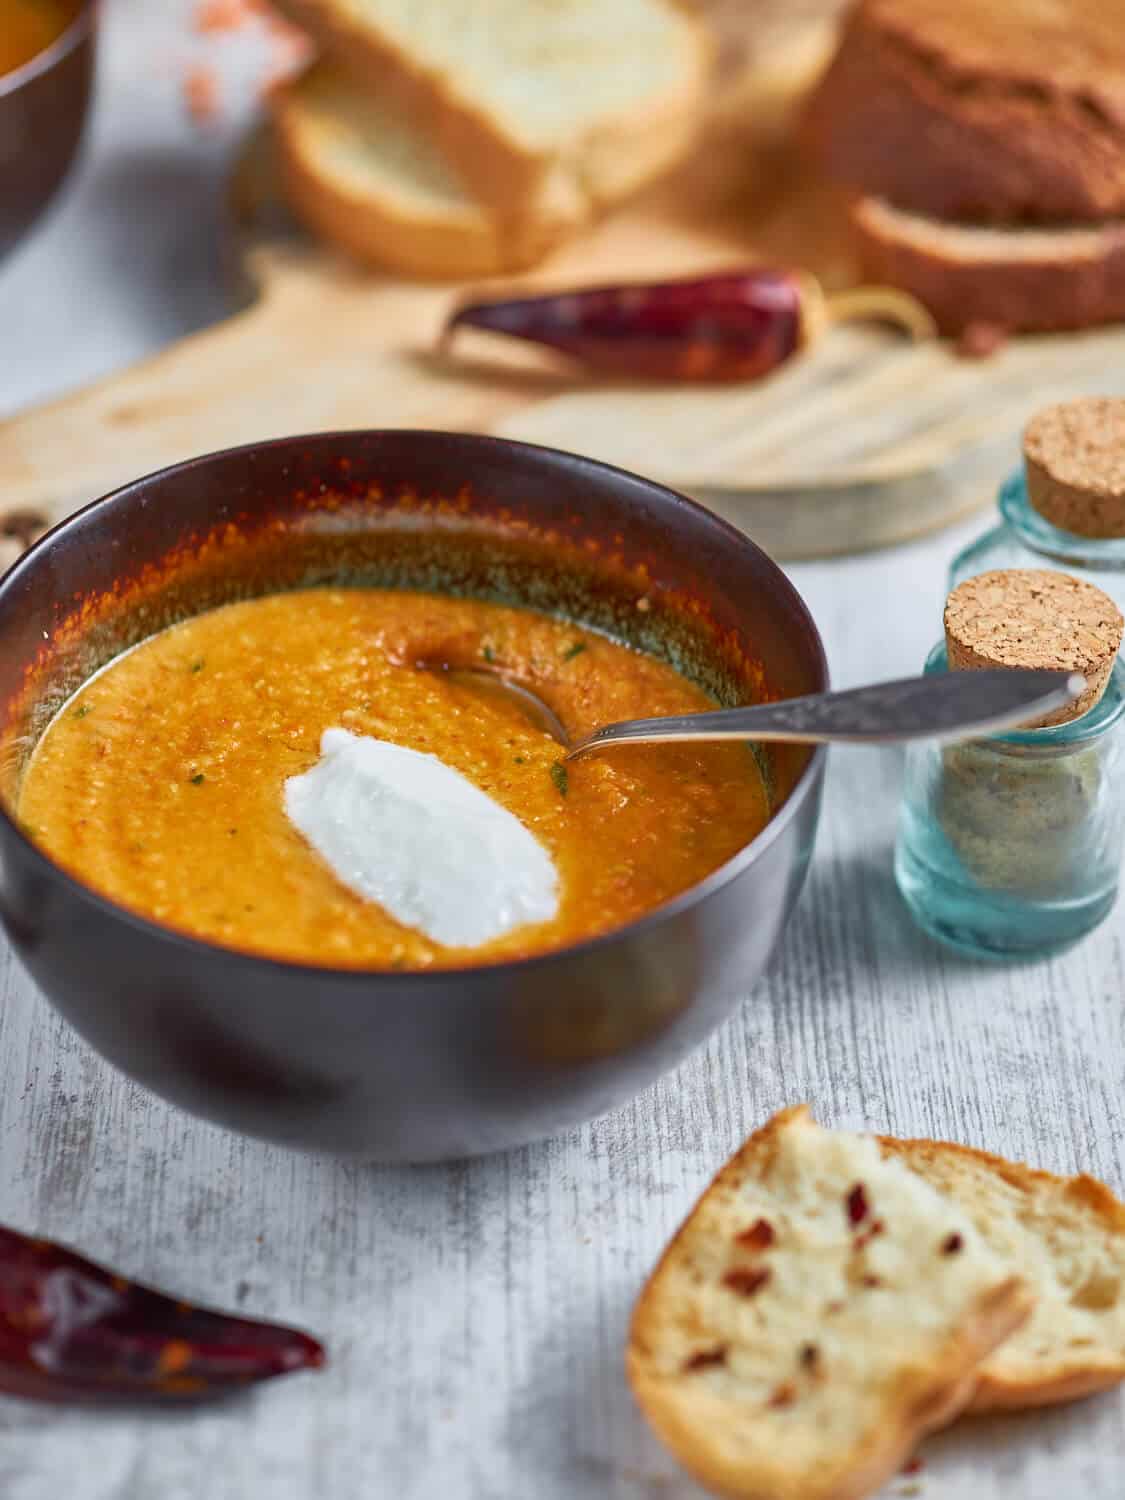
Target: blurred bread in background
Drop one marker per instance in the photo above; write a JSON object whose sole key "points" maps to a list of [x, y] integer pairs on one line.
{"points": [[363, 179], [985, 144], [461, 138], [1048, 278], [538, 114], [768, 53]]}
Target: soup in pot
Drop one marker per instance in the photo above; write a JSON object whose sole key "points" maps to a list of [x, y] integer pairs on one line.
{"points": [[297, 776], [28, 27]]}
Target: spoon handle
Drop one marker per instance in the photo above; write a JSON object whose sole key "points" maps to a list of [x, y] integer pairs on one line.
{"points": [[943, 706]]}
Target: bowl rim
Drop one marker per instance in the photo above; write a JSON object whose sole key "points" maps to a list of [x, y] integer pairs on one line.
{"points": [[70, 37], [728, 871]]}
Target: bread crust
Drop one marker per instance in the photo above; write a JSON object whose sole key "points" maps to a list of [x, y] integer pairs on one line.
{"points": [[998, 1388], [692, 1420], [562, 189], [384, 232], [976, 113], [966, 275]]}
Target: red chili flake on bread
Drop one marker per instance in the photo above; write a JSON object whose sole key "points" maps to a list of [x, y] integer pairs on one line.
{"points": [[952, 1244], [875, 1228], [760, 1236], [705, 1359], [872, 1280], [857, 1205], [785, 1395], [745, 1282], [914, 1466]]}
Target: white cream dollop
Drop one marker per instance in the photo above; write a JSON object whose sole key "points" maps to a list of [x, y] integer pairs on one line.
{"points": [[402, 828]]}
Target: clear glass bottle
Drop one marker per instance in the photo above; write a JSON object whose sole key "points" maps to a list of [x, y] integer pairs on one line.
{"points": [[1026, 539], [1011, 846]]}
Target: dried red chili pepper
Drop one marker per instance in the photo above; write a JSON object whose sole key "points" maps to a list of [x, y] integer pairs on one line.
{"points": [[70, 1330], [731, 327]]}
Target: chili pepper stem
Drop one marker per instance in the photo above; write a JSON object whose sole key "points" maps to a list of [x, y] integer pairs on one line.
{"points": [[880, 304]]}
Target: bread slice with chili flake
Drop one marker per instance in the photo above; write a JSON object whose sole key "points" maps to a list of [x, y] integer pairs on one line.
{"points": [[1067, 1236], [821, 1309]]}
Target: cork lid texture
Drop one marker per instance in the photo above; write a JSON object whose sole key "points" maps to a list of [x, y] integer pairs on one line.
{"points": [[1074, 459], [1028, 618]]}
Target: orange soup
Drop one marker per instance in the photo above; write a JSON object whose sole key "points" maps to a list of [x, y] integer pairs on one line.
{"points": [[28, 27], [162, 783]]}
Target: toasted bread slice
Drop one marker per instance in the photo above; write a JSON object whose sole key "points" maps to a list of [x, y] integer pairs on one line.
{"points": [[1021, 279], [1066, 1236], [820, 1310], [364, 179], [548, 109]]}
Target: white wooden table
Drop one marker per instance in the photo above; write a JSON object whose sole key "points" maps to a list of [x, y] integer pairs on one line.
{"points": [[475, 1313]]}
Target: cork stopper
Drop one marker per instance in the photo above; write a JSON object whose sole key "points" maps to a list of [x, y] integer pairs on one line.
{"points": [[1024, 617], [1074, 458]]}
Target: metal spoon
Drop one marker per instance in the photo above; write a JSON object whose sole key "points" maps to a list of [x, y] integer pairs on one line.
{"points": [[943, 706]]}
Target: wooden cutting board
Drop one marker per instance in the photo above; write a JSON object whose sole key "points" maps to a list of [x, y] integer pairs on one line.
{"points": [[864, 441]]}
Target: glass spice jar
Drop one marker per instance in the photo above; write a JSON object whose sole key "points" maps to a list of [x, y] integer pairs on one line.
{"points": [[1064, 509], [1011, 846]]}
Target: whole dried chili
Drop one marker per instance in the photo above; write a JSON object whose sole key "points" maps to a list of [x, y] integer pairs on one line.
{"points": [[737, 326], [70, 1330]]}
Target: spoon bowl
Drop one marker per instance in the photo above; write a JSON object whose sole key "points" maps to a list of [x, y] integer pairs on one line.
{"points": [[503, 685], [953, 706]]}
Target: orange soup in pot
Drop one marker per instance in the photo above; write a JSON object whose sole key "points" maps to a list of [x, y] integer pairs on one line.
{"points": [[289, 776], [28, 27]]}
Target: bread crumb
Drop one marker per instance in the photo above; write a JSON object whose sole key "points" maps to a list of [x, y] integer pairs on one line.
{"points": [[220, 15], [201, 95], [982, 340], [289, 51]]}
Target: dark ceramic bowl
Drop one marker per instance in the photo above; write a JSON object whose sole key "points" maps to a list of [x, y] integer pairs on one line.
{"points": [[404, 1066], [43, 108]]}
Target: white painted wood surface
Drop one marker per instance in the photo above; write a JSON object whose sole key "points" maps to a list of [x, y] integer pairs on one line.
{"points": [[475, 1313]]}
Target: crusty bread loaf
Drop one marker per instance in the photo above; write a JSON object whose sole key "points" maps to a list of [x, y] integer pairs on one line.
{"points": [[1020, 279], [978, 111], [1067, 1237], [359, 175], [821, 1309], [548, 109]]}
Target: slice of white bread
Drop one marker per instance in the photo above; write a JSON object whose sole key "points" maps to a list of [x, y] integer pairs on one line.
{"points": [[1020, 279], [1066, 1236], [769, 55], [820, 1310], [548, 109], [361, 177]]}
